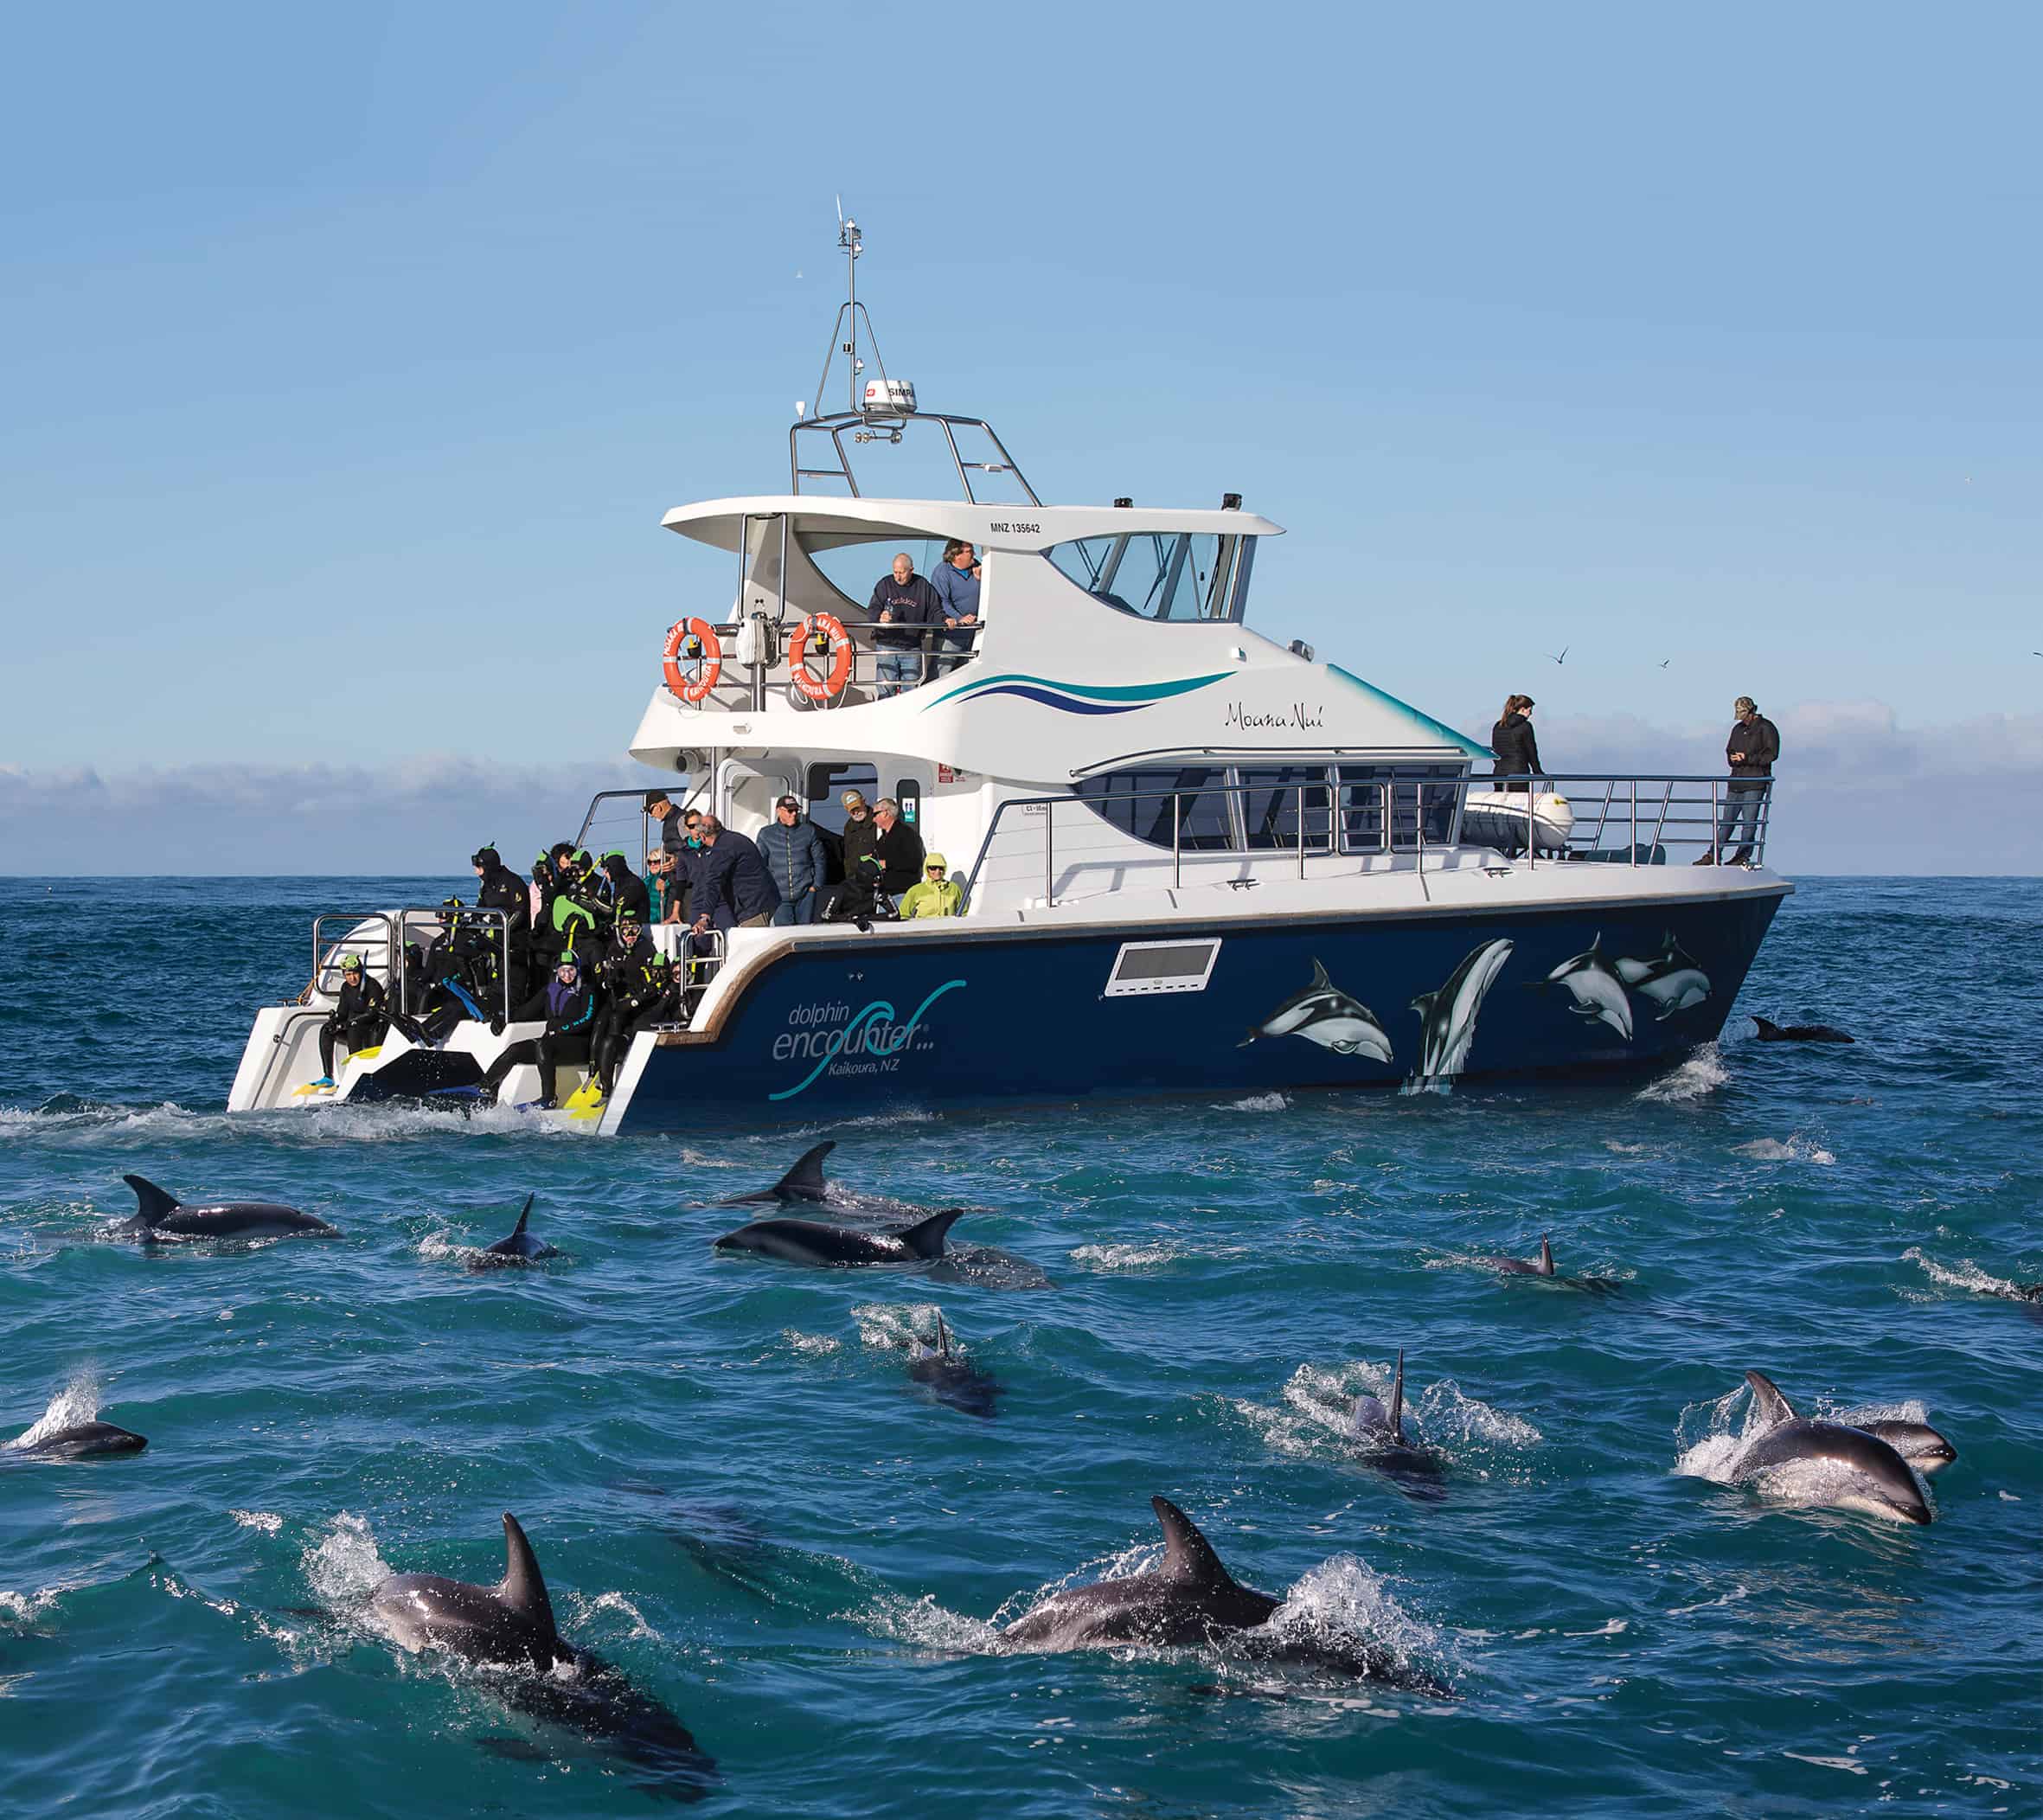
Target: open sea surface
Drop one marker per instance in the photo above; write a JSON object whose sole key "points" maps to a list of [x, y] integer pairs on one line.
{"points": [[740, 1497]]}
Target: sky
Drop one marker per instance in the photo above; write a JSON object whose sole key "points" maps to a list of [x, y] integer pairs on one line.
{"points": [[349, 359]]}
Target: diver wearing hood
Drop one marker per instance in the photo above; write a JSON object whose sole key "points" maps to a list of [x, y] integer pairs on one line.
{"points": [[625, 890], [360, 1017], [497, 887]]}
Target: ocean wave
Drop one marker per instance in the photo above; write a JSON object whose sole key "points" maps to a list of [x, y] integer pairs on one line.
{"points": [[1697, 1077], [1254, 1102], [815, 1345], [1127, 1257], [1964, 1274], [1344, 1605], [266, 1520], [1314, 1422]]}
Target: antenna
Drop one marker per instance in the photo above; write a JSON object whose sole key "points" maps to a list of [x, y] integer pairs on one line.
{"points": [[851, 245]]}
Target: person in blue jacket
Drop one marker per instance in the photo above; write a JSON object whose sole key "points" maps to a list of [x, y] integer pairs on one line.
{"points": [[733, 890], [957, 583], [795, 855]]}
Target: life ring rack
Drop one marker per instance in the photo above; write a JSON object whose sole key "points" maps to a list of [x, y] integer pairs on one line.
{"points": [[692, 643], [820, 633]]}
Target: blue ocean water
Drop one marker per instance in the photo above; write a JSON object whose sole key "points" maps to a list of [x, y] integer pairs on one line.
{"points": [[742, 1501]]}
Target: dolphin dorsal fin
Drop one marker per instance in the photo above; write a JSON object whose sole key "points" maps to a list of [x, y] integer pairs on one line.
{"points": [[1769, 1407], [1188, 1559], [155, 1202], [1397, 1401], [942, 1335], [524, 1214], [805, 1180], [1545, 1256], [926, 1237], [525, 1589]]}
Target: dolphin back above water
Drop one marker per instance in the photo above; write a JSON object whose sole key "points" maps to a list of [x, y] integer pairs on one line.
{"points": [[1186, 1600], [160, 1214], [813, 1242], [804, 1182], [1378, 1431], [1863, 1472], [509, 1622], [520, 1247], [1770, 1032], [82, 1441], [950, 1377], [1541, 1265]]}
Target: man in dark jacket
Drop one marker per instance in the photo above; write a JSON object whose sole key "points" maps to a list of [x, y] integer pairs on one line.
{"points": [[568, 1003], [359, 1017], [860, 831], [902, 606], [897, 847], [1754, 744], [660, 806], [794, 853], [733, 890]]}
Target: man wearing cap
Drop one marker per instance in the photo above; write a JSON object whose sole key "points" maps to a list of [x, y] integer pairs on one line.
{"points": [[1754, 744], [938, 894], [860, 831], [360, 1017], [660, 806], [794, 853]]}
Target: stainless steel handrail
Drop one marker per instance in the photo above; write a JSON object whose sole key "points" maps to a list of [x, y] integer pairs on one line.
{"points": [[749, 692], [1706, 797]]}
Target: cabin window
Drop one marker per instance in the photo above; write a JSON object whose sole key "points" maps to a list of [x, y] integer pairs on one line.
{"points": [[1144, 967], [827, 782], [1181, 575], [1418, 795], [1270, 805], [1203, 819]]}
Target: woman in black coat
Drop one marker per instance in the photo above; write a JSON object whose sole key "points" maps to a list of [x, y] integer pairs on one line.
{"points": [[1512, 740]]}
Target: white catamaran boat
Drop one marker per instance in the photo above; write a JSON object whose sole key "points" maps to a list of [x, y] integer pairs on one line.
{"points": [[1194, 858]]}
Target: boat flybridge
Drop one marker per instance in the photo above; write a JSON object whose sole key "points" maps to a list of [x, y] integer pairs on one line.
{"points": [[1194, 858]]}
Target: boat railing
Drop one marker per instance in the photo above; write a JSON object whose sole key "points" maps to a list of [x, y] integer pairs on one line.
{"points": [[1614, 820], [382, 937], [739, 688]]}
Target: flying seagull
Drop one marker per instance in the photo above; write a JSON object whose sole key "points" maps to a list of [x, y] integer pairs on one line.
{"points": [[1563, 657], [1664, 661]]}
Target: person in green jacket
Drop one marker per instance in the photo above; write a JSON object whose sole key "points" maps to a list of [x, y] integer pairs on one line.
{"points": [[935, 893]]}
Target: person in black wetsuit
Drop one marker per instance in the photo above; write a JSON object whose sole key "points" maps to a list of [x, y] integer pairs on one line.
{"points": [[360, 1017], [1512, 740], [497, 887], [636, 984], [626, 890], [859, 897], [568, 1003]]}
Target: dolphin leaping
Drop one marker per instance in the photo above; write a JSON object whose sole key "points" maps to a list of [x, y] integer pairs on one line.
{"points": [[1860, 1472], [1447, 1017], [1323, 1014], [1596, 989]]}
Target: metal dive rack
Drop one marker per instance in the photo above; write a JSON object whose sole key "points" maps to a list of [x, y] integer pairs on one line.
{"points": [[1617, 819], [383, 949]]}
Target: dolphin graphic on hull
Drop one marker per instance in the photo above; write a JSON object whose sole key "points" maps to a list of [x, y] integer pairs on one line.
{"points": [[1860, 1472], [1447, 1017], [1323, 1014], [1671, 979], [1596, 988]]}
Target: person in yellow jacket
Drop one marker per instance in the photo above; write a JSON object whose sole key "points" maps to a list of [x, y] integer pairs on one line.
{"points": [[935, 894]]}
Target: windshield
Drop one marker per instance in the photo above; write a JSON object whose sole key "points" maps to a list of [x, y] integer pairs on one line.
{"points": [[1184, 575]]}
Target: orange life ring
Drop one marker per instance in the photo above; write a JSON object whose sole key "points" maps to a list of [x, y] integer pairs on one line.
{"points": [[827, 629], [692, 641]]}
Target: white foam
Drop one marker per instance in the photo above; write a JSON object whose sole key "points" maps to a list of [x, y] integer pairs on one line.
{"points": [[1345, 1601], [1696, 1079], [586, 1611], [899, 1326], [1964, 1274], [78, 1402], [1126, 1257], [1319, 1407], [925, 1623], [342, 1567], [1255, 1103], [816, 1345], [266, 1521]]}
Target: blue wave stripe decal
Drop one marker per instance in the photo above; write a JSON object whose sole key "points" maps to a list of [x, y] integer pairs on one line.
{"points": [[1135, 695], [1060, 701]]}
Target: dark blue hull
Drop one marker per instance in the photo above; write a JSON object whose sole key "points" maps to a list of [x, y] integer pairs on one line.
{"points": [[872, 1023]]}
